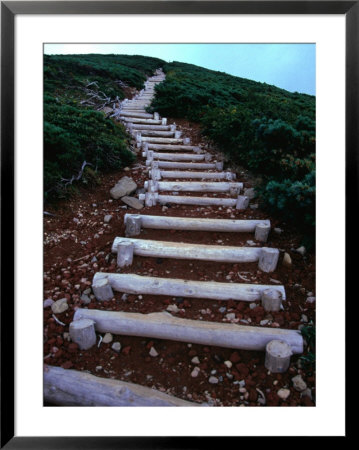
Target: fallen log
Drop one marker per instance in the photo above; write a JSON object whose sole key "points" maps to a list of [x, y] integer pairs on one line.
{"points": [[212, 290], [73, 388], [163, 325]]}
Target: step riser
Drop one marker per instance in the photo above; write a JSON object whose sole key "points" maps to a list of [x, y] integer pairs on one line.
{"points": [[165, 326], [210, 290], [144, 121], [137, 115], [175, 148], [149, 133], [188, 224], [154, 140], [184, 165], [179, 156]]}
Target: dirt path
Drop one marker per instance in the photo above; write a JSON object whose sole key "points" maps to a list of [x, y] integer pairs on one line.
{"points": [[78, 244]]}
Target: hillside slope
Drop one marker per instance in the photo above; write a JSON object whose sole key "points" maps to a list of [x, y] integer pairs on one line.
{"points": [[78, 138], [264, 128]]}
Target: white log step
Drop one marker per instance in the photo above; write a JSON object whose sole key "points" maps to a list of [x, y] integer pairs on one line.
{"points": [[159, 140], [138, 120], [175, 148], [163, 325], [200, 175], [211, 290], [139, 127], [180, 156], [74, 388], [186, 165], [155, 198], [179, 250], [153, 133], [136, 114], [197, 224], [193, 186]]}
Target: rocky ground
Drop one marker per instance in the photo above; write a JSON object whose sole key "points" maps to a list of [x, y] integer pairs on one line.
{"points": [[77, 244]]}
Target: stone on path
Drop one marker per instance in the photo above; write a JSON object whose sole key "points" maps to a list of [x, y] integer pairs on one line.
{"points": [[107, 338], [125, 186], [298, 383], [116, 346], [283, 394], [287, 260], [133, 202], [48, 302], [107, 218], [60, 306]]}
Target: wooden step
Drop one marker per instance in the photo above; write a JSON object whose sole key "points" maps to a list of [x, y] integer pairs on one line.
{"points": [[172, 147], [179, 250], [138, 120], [179, 156], [186, 165], [159, 140], [162, 325], [153, 133], [199, 175], [152, 199], [141, 128], [196, 224], [64, 387], [210, 290], [193, 186], [136, 114]]}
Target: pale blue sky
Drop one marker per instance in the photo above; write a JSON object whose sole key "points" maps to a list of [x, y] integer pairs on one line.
{"points": [[289, 66]]}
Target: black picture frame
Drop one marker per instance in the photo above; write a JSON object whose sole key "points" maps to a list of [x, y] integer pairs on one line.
{"points": [[9, 9]]}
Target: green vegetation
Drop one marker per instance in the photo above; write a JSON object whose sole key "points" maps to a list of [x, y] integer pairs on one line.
{"points": [[266, 129], [76, 87], [308, 360]]}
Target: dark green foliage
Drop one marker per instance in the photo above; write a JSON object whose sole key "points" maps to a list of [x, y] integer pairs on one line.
{"points": [[308, 359], [267, 129], [73, 131]]}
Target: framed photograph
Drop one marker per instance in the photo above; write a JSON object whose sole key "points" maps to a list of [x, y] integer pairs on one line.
{"points": [[325, 117]]}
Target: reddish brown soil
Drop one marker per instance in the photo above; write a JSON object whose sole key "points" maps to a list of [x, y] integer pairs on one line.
{"points": [[69, 248]]}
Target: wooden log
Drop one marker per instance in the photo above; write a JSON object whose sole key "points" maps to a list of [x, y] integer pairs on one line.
{"points": [[268, 259], [138, 120], [212, 290], [179, 250], [262, 232], [271, 299], [195, 186], [136, 114], [82, 332], [182, 165], [175, 148], [154, 133], [278, 353], [242, 202], [161, 140], [163, 325], [152, 127], [202, 175], [196, 224], [125, 252], [164, 121], [74, 388], [102, 290], [178, 156], [133, 225], [153, 199]]}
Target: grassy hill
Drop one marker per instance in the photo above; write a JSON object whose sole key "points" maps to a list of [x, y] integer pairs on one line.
{"points": [[76, 87], [267, 129]]}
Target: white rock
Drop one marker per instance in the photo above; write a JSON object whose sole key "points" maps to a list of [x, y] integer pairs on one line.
{"points": [[283, 393], [301, 250], [172, 308], [287, 260], [60, 306], [213, 380], [195, 372], [253, 305], [298, 383], [310, 299], [195, 360], [230, 316], [116, 346], [107, 338], [107, 218], [278, 230], [48, 302], [228, 364], [153, 352]]}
